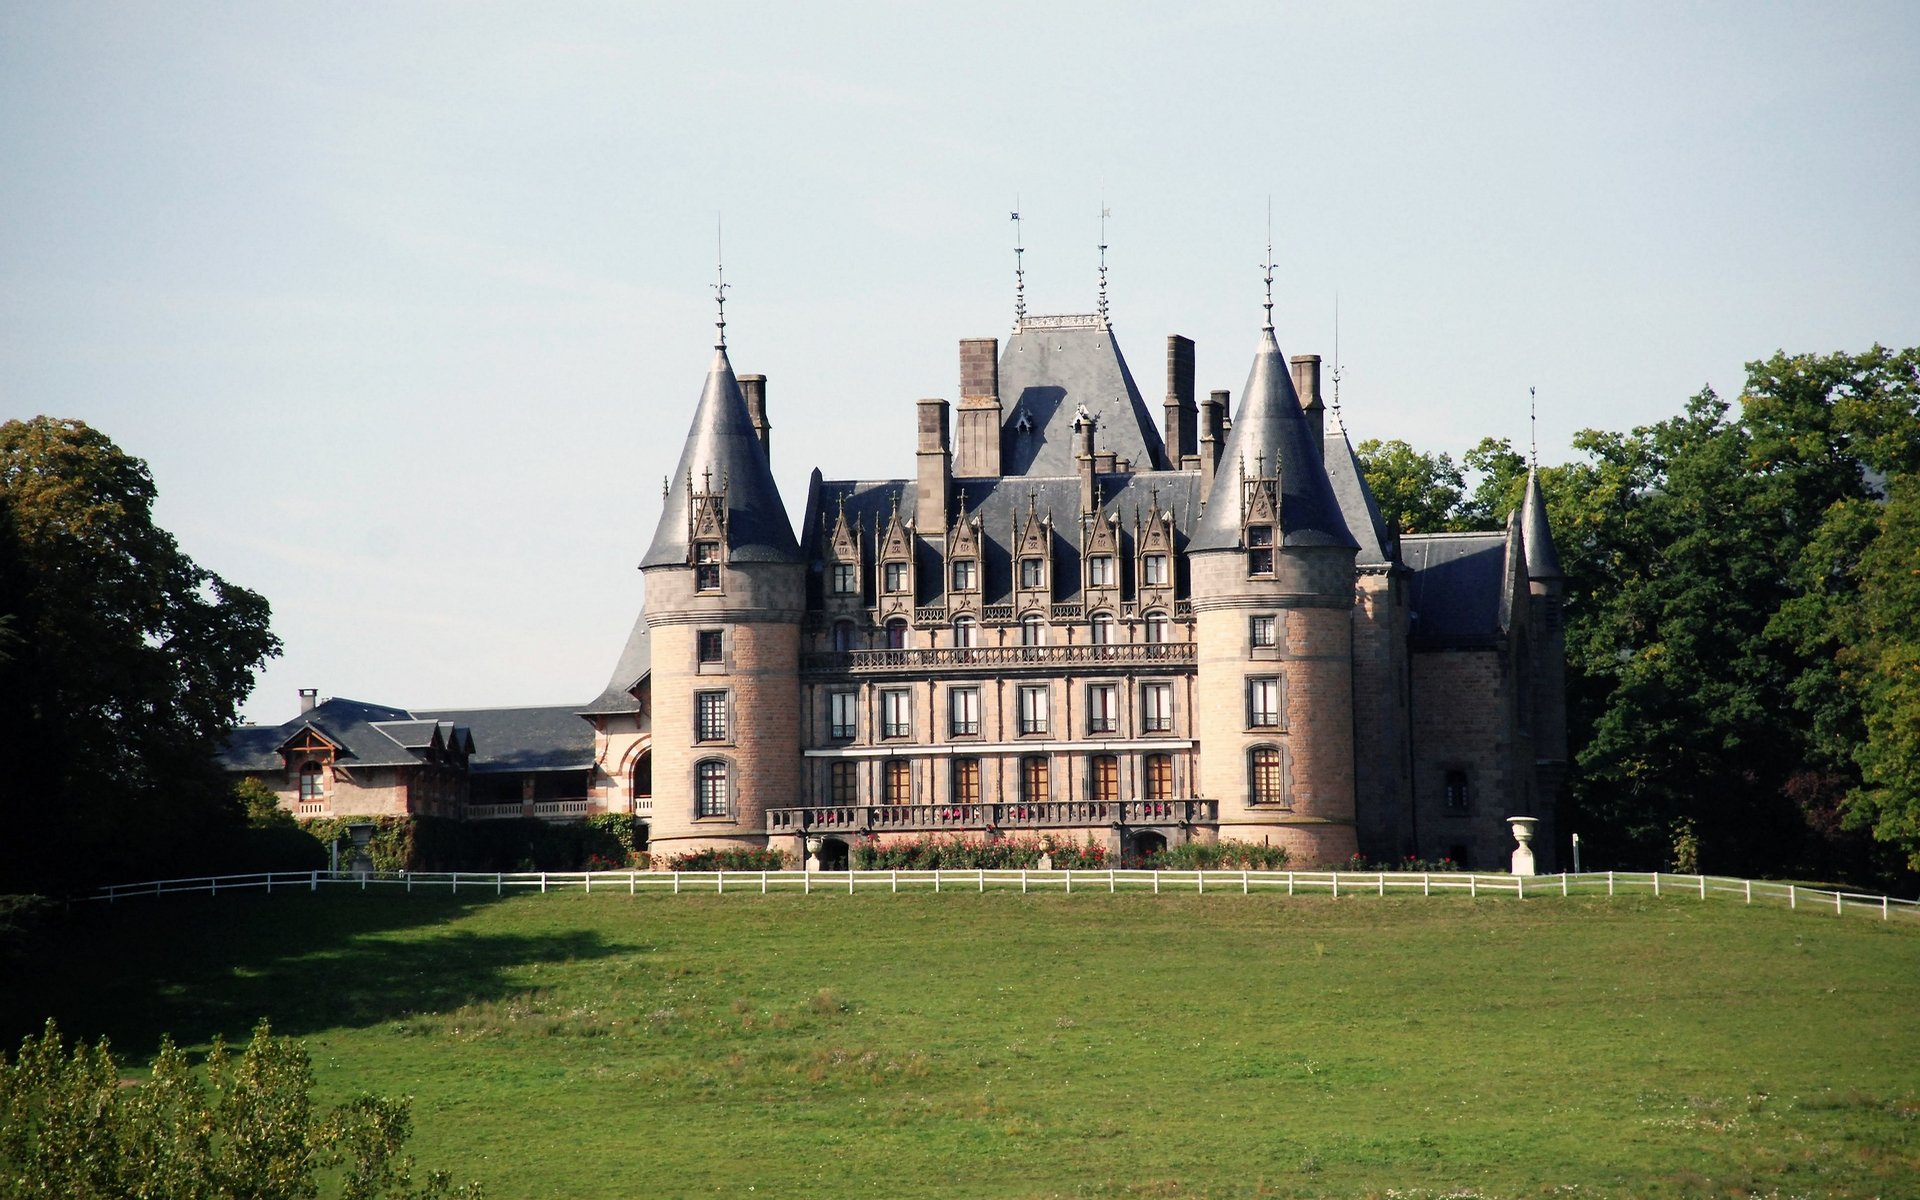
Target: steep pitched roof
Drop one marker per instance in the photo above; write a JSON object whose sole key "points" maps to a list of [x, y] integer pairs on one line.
{"points": [[1357, 505], [1051, 367], [636, 660], [721, 449], [1543, 561], [1458, 592], [541, 738], [1270, 437]]}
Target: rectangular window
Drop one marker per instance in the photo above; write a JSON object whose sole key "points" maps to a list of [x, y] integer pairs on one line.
{"points": [[1260, 631], [896, 576], [1159, 777], [1031, 574], [844, 782], [1259, 549], [1033, 709], [1100, 570], [963, 575], [1156, 628], [896, 713], [842, 715], [963, 708], [1456, 794], [1263, 702], [1156, 708], [706, 566], [1103, 708], [1153, 570], [1103, 779], [710, 716], [710, 789], [1033, 779], [843, 584], [966, 781], [899, 779], [712, 647]]}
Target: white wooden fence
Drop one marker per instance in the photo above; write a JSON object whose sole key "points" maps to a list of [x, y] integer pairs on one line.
{"points": [[1292, 883]]}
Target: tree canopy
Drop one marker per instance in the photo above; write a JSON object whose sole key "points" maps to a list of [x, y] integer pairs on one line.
{"points": [[127, 663]]}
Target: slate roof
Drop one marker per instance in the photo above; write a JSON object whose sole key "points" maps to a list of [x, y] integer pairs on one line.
{"points": [[1357, 505], [1457, 593], [1270, 437], [721, 447], [1543, 561], [1047, 371], [636, 660], [371, 735], [543, 738]]}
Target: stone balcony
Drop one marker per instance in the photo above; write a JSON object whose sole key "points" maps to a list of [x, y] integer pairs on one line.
{"points": [[1167, 655], [860, 819]]}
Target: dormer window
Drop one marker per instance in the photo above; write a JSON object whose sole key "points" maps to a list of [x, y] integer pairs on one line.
{"points": [[843, 579], [1153, 570], [706, 566], [1259, 549], [964, 578], [896, 577], [1100, 570], [1033, 573]]}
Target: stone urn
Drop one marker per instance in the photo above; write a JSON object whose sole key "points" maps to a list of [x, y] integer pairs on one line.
{"points": [[1523, 844], [813, 853]]}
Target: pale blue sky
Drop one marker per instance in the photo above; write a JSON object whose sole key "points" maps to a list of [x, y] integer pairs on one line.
{"points": [[407, 305]]}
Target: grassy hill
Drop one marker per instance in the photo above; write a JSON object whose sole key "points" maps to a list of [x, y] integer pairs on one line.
{"points": [[1031, 1046]]}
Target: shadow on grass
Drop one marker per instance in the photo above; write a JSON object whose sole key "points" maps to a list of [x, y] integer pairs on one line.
{"points": [[196, 966]]}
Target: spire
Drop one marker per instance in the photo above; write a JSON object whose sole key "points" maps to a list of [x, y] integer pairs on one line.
{"points": [[1533, 431], [1336, 358], [1270, 438], [1268, 266], [1543, 561], [722, 446], [1105, 212], [1019, 269]]}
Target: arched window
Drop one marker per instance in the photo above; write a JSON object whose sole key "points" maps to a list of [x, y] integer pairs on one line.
{"points": [[313, 783], [1266, 781], [843, 635], [1100, 629], [1156, 627], [710, 788], [966, 634], [1033, 631], [897, 634]]}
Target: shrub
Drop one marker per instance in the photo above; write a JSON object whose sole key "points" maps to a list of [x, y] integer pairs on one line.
{"points": [[1421, 866], [954, 852], [733, 858], [624, 829], [1218, 856]]}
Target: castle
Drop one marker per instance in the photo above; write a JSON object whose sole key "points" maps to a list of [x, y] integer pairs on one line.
{"points": [[1067, 620]]}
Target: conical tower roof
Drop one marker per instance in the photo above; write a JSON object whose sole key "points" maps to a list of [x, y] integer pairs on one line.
{"points": [[1543, 561], [1270, 438], [722, 451], [1357, 505]]}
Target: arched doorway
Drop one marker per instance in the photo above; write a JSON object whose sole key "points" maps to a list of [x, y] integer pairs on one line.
{"points": [[833, 854], [1145, 844], [642, 793]]}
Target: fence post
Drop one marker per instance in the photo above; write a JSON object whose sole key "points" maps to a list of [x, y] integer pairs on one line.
{"points": [[499, 884], [543, 883], [1749, 884], [1069, 881], [896, 880], [1703, 887], [849, 879], [213, 885], [1336, 884], [632, 882], [313, 885], [763, 883], [1656, 883], [1883, 908], [1383, 883], [1473, 887], [1426, 884], [1563, 884], [1199, 883], [806, 882], [1793, 901], [1609, 883], [676, 883], [936, 881], [1838, 904], [720, 883], [1156, 881], [1289, 883], [1110, 885], [408, 877], [1243, 883], [982, 876], [588, 876], [1023, 881]]}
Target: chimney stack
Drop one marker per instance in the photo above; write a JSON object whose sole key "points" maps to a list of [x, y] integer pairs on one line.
{"points": [[1213, 438], [1083, 427], [308, 698], [977, 452], [754, 388], [1306, 383], [935, 473], [1181, 413]]}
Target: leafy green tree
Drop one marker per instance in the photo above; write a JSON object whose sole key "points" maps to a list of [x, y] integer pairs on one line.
{"points": [[70, 1129], [1416, 492], [130, 663], [1884, 672], [1499, 487]]}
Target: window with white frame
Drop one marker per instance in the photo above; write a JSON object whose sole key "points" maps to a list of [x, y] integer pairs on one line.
{"points": [[1033, 631], [1032, 573], [966, 633], [964, 575], [1033, 708], [710, 788], [843, 579], [1103, 708], [1263, 702], [706, 566], [897, 634], [1260, 630], [896, 713], [1153, 570], [710, 716], [963, 711], [1100, 570], [843, 715], [896, 576], [1156, 708], [1100, 629], [1259, 549], [313, 783], [1157, 627]]}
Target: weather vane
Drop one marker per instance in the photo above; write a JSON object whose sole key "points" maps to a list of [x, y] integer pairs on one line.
{"points": [[1336, 355], [1105, 212], [1533, 429], [720, 282], [1019, 268], [1268, 266]]}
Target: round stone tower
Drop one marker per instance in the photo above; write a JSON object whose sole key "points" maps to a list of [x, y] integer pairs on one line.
{"points": [[1273, 601], [725, 598]]}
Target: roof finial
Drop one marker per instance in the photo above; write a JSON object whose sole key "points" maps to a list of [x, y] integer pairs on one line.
{"points": [[1533, 430], [1336, 356], [1105, 212], [1019, 268], [720, 285], [1268, 265]]}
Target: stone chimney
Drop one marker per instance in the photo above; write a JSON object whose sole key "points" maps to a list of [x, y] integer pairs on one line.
{"points": [[977, 449], [1306, 383], [308, 698], [1213, 438], [1084, 457], [754, 388], [1182, 416], [935, 459]]}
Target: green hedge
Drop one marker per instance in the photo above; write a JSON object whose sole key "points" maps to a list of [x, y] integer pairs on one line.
{"points": [[956, 853], [519, 844], [1218, 856]]}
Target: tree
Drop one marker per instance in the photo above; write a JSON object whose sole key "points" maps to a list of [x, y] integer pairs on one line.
{"points": [[1884, 672], [129, 664], [1416, 492], [71, 1129]]}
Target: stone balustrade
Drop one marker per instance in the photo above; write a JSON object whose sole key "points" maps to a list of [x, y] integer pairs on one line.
{"points": [[984, 818], [998, 658]]}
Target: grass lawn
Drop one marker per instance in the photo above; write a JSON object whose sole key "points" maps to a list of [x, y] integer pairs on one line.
{"points": [[1031, 1046]]}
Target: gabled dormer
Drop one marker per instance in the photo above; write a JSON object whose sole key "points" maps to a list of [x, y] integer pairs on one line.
{"points": [[964, 564], [845, 563], [1100, 559], [1154, 566], [1259, 519], [1033, 558], [898, 586]]}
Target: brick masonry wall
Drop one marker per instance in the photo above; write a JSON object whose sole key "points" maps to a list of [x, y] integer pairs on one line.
{"points": [[1462, 720]]}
